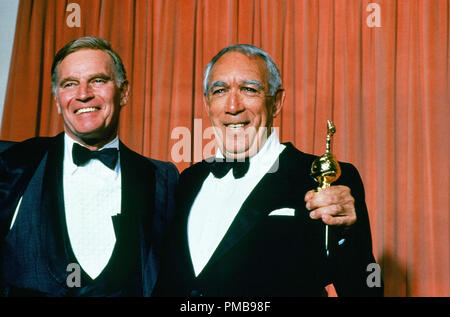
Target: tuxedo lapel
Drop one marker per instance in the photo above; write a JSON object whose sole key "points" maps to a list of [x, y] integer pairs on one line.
{"points": [[138, 191], [137, 187], [134, 224], [269, 194], [53, 225], [189, 186]]}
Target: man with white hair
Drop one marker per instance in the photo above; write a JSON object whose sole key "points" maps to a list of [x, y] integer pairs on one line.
{"points": [[248, 221]]}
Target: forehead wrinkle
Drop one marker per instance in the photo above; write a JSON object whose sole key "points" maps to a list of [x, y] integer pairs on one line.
{"points": [[78, 65]]}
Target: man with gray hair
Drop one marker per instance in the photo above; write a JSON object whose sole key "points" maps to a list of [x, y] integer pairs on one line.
{"points": [[248, 221], [80, 213]]}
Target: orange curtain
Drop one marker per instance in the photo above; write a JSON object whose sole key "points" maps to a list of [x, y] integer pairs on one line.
{"points": [[386, 88]]}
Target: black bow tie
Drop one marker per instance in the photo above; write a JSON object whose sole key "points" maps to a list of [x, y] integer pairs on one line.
{"points": [[220, 167], [82, 155]]}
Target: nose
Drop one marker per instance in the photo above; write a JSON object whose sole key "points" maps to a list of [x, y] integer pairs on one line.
{"points": [[234, 103], [84, 92]]}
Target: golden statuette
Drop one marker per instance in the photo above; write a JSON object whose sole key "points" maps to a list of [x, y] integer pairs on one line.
{"points": [[325, 169]]}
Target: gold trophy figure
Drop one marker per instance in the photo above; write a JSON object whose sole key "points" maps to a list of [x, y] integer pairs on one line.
{"points": [[325, 169]]}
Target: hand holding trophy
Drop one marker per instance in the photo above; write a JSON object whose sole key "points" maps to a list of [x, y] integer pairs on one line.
{"points": [[325, 169]]}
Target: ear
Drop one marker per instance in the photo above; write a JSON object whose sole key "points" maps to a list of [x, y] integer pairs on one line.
{"points": [[279, 102], [206, 103], [58, 105], [124, 93]]}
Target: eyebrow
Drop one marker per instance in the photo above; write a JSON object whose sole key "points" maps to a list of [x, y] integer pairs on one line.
{"points": [[254, 83], [93, 76], [65, 80], [217, 83], [245, 82]]}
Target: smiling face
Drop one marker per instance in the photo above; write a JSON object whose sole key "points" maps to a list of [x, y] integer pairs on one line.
{"points": [[88, 98], [238, 104]]}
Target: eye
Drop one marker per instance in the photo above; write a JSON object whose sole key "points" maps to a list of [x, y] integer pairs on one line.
{"points": [[249, 90], [99, 81], [68, 84], [218, 91]]}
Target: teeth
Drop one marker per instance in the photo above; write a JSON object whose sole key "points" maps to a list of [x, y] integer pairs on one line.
{"points": [[84, 110], [236, 126]]}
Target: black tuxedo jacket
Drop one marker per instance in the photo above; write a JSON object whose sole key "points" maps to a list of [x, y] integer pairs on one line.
{"points": [[262, 255], [35, 166]]}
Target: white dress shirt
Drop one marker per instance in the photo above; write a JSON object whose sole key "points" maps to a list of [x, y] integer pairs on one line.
{"points": [[92, 195], [219, 201]]}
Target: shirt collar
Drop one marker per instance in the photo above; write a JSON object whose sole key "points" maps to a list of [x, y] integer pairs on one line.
{"points": [[68, 144], [267, 155]]}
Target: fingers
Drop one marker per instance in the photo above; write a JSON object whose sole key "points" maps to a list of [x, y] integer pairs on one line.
{"points": [[344, 218], [334, 205], [309, 195], [327, 211], [334, 195]]}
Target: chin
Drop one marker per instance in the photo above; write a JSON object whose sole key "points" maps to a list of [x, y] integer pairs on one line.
{"points": [[90, 134], [98, 133], [236, 152]]}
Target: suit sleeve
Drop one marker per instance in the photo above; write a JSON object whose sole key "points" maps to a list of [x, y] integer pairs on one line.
{"points": [[16, 170], [15, 173], [349, 261]]}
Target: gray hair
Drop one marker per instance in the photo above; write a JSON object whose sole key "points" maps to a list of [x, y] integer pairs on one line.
{"points": [[88, 42], [274, 79]]}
